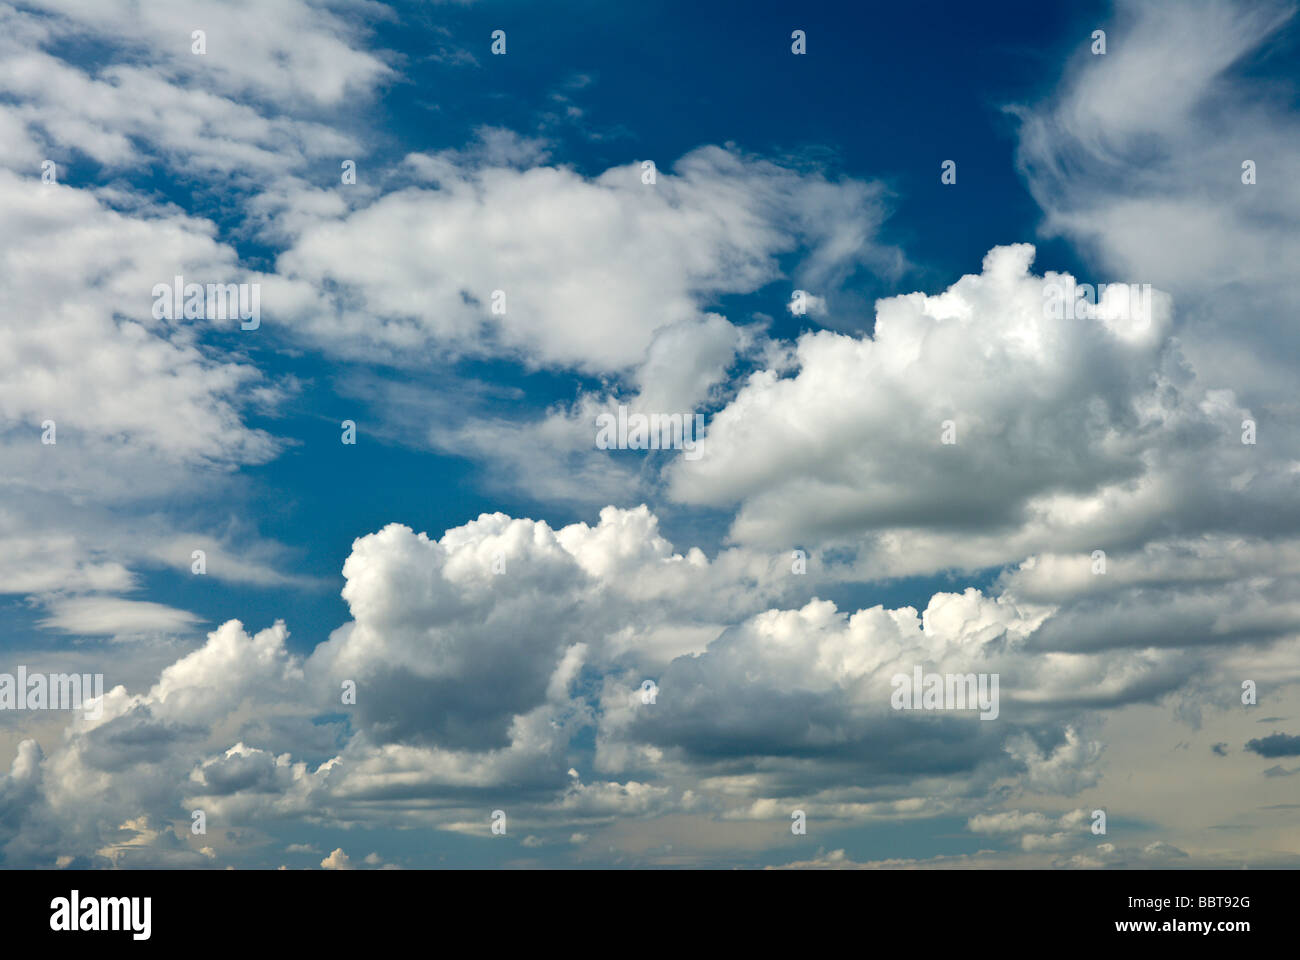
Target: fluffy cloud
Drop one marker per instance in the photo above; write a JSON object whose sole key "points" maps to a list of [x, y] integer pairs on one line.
{"points": [[472, 685], [141, 409], [590, 269], [1067, 434], [290, 51], [146, 412], [503, 663]]}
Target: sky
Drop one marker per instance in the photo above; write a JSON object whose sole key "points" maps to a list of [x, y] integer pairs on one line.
{"points": [[367, 589]]}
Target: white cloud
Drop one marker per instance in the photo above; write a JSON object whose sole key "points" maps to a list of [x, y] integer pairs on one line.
{"points": [[1069, 434], [280, 51], [115, 616], [1138, 158], [483, 657], [141, 409], [337, 860], [591, 269], [468, 694]]}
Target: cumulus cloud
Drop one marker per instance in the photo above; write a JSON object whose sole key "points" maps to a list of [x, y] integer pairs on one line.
{"points": [[1059, 431], [555, 269], [337, 860], [467, 685], [1138, 554]]}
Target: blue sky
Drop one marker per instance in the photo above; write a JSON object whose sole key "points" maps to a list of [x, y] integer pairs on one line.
{"points": [[517, 688], [648, 87]]}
